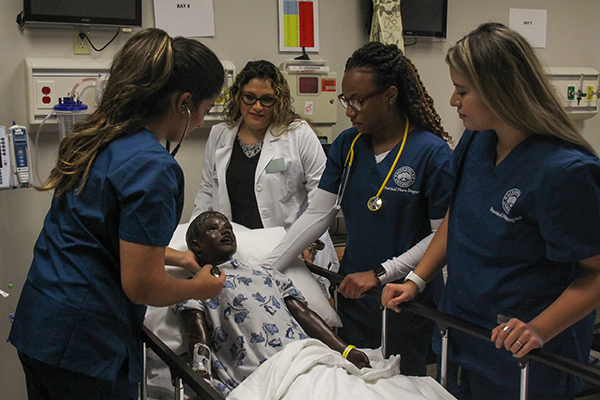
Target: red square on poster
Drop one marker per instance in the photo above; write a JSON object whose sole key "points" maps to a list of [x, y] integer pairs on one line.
{"points": [[306, 16]]}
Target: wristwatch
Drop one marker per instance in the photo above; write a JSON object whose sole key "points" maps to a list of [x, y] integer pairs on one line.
{"points": [[379, 273]]}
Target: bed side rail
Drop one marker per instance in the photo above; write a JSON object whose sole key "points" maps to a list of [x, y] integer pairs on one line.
{"points": [[179, 368], [445, 321]]}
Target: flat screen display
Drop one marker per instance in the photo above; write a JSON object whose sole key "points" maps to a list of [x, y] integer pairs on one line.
{"points": [[424, 18], [83, 12]]}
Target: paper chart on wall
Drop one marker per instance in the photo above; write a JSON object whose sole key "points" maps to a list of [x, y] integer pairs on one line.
{"points": [[189, 18], [298, 25]]}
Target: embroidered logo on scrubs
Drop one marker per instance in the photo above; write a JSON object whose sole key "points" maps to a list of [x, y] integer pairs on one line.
{"points": [[509, 200], [404, 177]]}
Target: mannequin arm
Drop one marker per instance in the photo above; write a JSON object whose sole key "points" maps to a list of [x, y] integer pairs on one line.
{"points": [[316, 328], [197, 331]]}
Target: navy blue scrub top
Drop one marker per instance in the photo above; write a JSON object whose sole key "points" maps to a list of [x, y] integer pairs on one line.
{"points": [[515, 235], [73, 312], [417, 192]]}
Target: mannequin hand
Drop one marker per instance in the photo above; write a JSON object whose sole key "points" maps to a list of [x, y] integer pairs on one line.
{"points": [[355, 285], [209, 285], [517, 337], [395, 293], [308, 255], [358, 358]]}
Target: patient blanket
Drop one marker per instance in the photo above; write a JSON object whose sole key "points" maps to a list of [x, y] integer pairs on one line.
{"points": [[308, 369]]}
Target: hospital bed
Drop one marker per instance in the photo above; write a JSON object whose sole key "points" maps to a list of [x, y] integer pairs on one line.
{"points": [[447, 322], [258, 246]]}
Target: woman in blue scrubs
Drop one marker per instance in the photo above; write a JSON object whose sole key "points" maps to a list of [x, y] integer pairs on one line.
{"points": [[388, 175], [118, 196], [521, 235]]}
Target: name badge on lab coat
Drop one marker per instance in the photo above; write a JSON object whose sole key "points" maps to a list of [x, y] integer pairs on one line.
{"points": [[275, 165]]}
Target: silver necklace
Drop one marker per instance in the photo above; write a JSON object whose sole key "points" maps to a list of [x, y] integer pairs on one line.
{"points": [[250, 150]]}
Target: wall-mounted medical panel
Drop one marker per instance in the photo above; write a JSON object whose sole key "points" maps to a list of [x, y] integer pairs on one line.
{"points": [[313, 88], [48, 79], [217, 110], [577, 88]]}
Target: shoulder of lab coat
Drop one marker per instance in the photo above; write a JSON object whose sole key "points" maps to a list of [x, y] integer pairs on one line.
{"points": [[216, 156], [307, 149]]}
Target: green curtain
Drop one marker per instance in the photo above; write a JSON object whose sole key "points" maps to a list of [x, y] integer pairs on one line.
{"points": [[386, 26]]}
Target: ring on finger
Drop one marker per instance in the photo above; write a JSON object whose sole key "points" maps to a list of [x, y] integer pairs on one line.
{"points": [[506, 329], [519, 343]]}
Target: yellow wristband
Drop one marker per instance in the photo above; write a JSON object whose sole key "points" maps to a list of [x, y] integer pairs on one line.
{"points": [[347, 350]]}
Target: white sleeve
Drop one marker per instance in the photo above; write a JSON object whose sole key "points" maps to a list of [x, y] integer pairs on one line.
{"points": [[398, 267], [312, 157], [204, 197], [312, 223]]}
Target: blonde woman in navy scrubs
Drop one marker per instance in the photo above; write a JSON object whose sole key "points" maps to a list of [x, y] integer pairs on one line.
{"points": [[118, 196], [521, 238], [388, 174]]}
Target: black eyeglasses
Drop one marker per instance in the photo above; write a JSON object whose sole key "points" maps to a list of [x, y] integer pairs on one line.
{"points": [[356, 104], [265, 101]]}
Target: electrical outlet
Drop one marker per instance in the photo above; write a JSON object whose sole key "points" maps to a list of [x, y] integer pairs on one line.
{"points": [[45, 95], [81, 46]]}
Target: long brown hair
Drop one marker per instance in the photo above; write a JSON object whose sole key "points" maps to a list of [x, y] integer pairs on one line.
{"points": [[145, 74]]}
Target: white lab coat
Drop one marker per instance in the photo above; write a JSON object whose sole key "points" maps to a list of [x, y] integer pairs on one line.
{"points": [[282, 190]]}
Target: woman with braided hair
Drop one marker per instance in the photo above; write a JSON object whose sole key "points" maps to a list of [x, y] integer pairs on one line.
{"points": [[388, 174]]}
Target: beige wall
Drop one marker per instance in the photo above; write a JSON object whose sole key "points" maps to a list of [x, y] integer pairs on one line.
{"points": [[246, 30]]}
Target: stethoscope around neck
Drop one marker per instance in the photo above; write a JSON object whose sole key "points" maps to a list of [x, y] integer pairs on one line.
{"points": [[187, 125], [374, 202]]}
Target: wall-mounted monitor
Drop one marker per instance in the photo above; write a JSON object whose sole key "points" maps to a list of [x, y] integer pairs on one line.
{"points": [[424, 18], [104, 13]]}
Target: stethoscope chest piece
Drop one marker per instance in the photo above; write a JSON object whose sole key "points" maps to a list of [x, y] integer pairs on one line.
{"points": [[374, 203]]}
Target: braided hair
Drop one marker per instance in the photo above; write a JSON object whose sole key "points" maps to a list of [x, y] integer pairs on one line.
{"points": [[390, 67]]}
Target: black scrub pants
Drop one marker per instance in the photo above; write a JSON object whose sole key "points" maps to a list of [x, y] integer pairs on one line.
{"points": [[48, 382]]}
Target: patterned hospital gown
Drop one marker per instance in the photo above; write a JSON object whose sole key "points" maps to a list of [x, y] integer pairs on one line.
{"points": [[248, 321]]}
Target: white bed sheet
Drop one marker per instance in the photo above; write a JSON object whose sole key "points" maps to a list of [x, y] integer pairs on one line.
{"points": [[308, 369]]}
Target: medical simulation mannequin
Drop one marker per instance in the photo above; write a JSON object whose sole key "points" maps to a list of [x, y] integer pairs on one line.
{"points": [[258, 312]]}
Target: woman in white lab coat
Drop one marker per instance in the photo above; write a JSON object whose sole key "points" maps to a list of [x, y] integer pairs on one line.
{"points": [[263, 164]]}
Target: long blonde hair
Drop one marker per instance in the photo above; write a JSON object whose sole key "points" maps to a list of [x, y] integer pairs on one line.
{"points": [[145, 74], [504, 70]]}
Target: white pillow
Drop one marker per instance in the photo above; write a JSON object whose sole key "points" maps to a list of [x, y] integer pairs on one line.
{"points": [[253, 246]]}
